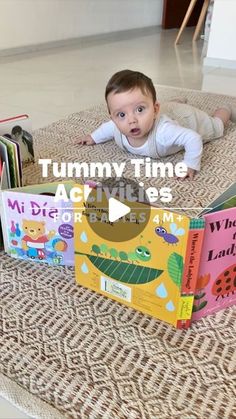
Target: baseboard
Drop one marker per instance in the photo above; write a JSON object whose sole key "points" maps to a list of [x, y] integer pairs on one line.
{"points": [[219, 63], [81, 41]]}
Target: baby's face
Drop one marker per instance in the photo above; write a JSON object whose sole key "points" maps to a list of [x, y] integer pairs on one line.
{"points": [[133, 112]]}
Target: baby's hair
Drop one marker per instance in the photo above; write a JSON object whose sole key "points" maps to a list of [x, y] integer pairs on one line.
{"points": [[126, 80]]}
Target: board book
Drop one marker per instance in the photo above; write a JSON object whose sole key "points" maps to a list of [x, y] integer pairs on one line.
{"points": [[154, 272], [16, 147], [216, 283], [34, 226], [19, 130], [10, 155]]}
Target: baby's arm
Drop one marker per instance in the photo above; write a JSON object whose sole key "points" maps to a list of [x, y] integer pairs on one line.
{"points": [[174, 137], [192, 143], [102, 134]]}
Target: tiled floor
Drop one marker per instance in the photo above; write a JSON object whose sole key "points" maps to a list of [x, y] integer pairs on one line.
{"points": [[51, 84]]}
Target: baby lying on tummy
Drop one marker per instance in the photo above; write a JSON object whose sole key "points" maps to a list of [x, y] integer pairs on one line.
{"points": [[140, 125]]}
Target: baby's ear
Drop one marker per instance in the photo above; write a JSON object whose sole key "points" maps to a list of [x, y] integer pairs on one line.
{"points": [[108, 109], [156, 107]]}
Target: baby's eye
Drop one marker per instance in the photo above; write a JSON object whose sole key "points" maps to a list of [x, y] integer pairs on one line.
{"points": [[140, 109], [121, 114]]}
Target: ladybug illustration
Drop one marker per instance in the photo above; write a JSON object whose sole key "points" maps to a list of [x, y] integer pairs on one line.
{"points": [[225, 282]]}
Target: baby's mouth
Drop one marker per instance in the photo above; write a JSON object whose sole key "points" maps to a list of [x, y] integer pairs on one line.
{"points": [[135, 131]]}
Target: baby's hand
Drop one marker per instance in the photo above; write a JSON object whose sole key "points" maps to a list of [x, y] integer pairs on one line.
{"points": [[190, 174], [86, 140]]}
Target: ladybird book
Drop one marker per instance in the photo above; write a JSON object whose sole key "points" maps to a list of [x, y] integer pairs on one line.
{"points": [[35, 227], [152, 269], [216, 283]]}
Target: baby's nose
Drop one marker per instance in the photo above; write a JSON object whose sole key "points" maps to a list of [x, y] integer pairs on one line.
{"points": [[132, 119]]}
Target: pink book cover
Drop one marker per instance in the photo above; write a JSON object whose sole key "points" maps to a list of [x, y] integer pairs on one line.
{"points": [[36, 228], [216, 284]]}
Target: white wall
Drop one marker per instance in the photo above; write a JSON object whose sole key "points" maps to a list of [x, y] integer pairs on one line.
{"points": [[30, 22], [221, 48]]}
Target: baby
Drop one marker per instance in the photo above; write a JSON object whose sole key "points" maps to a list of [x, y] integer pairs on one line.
{"points": [[140, 125]]}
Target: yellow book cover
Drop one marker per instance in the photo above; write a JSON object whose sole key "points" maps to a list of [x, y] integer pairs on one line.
{"points": [[137, 265]]}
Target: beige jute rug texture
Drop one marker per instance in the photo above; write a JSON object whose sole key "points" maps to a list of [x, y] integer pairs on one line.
{"points": [[67, 352]]}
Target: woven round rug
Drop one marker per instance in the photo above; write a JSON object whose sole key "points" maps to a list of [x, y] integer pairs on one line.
{"points": [[68, 352]]}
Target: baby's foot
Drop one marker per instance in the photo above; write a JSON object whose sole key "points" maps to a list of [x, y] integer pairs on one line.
{"points": [[232, 110], [233, 113]]}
